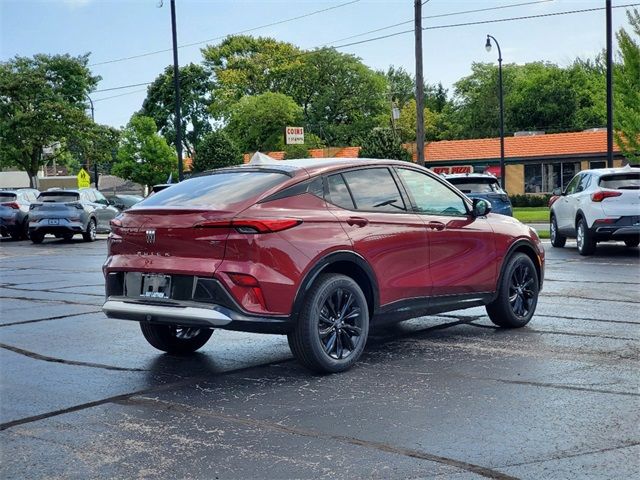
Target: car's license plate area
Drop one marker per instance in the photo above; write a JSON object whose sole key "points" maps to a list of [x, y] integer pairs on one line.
{"points": [[54, 221], [156, 286]]}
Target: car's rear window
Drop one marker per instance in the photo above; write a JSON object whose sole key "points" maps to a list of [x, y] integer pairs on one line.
{"points": [[475, 185], [217, 191], [621, 181], [58, 197], [7, 197]]}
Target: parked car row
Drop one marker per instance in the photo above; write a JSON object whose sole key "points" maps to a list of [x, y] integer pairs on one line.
{"points": [[28, 213]]}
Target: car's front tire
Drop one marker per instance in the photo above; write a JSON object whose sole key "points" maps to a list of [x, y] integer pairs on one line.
{"points": [[557, 239], [333, 325], [36, 237], [584, 238], [517, 293], [175, 339], [90, 234]]}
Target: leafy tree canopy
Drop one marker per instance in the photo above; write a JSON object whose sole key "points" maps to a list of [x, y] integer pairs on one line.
{"points": [[627, 90], [195, 98], [216, 150], [383, 143], [42, 101], [144, 156], [258, 122], [406, 124]]}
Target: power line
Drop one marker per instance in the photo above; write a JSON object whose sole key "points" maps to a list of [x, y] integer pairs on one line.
{"points": [[436, 27], [279, 22], [119, 95], [450, 14]]}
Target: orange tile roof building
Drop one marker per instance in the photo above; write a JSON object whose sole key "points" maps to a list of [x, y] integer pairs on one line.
{"points": [[535, 163]]}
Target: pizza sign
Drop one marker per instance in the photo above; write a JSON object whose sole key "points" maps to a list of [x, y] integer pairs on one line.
{"points": [[452, 170]]}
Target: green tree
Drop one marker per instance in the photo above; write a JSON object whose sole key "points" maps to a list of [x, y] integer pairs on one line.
{"points": [[407, 122], [258, 122], [97, 145], [242, 65], [195, 99], [627, 91], [342, 99], [144, 156], [216, 150], [401, 85], [42, 101], [383, 143]]}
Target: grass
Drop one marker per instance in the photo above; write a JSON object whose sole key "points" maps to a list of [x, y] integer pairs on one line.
{"points": [[531, 214], [543, 234]]}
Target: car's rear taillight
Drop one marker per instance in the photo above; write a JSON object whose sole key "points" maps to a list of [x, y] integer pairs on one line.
{"points": [[13, 205], [77, 205], [249, 225], [600, 195]]}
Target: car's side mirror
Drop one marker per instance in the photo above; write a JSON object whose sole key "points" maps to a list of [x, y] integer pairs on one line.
{"points": [[481, 207], [557, 191]]}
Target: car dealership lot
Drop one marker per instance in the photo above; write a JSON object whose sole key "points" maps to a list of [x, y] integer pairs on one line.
{"points": [[82, 396]]}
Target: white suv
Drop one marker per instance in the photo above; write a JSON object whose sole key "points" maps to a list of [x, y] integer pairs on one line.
{"points": [[598, 205]]}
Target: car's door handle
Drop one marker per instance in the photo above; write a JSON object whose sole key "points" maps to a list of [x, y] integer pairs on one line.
{"points": [[358, 221], [436, 225]]}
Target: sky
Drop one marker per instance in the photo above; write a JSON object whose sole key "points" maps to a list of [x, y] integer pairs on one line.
{"points": [[113, 29]]}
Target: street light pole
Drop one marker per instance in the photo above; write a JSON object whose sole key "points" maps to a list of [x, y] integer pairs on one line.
{"points": [[501, 95], [176, 87], [419, 83], [609, 88], [95, 163]]}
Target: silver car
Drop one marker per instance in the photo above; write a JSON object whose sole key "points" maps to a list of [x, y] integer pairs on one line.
{"points": [[14, 211], [67, 212]]}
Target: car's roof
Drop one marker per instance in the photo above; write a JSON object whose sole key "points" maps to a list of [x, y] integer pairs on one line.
{"points": [[487, 176], [608, 171], [314, 166]]}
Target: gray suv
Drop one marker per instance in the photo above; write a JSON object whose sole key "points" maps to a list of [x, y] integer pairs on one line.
{"points": [[14, 211], [64, 213]]}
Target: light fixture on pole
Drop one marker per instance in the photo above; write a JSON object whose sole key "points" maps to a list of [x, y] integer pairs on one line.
{"points": [[501, 96]]}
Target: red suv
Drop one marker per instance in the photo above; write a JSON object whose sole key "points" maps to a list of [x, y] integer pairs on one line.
{"points": [[317, 250]]}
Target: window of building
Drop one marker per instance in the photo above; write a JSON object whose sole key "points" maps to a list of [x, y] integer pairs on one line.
{"points": [[598, 164], [545, 177]]}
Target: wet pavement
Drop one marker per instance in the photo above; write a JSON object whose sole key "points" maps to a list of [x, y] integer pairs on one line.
{"points": [[447, 396]]}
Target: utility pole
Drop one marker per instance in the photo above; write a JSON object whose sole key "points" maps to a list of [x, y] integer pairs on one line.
{"points": [[176, 87], [609, 88], [95, 162], [419, 84]]}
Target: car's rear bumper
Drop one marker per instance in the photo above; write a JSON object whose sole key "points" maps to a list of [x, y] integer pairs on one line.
{"points": [[64, 227], [624, 228], [196, 301]]}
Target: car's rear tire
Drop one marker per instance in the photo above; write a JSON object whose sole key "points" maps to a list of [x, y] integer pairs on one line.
{"points": [[557, 239], [36, 237], [175, 339], [333, 325], [517, 293], [90, 234], [632, 243], [584, 238]]}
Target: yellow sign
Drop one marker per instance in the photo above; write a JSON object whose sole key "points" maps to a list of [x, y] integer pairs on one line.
{"points": [[84, 180]]}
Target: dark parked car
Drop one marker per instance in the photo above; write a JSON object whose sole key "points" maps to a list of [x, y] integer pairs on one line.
{"points": [[64, 213], [484, 186], [122, 202], [318, 250], [14, 211]]}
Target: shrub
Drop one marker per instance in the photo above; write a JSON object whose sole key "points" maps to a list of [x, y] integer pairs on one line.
{"points": [[528, 200]]}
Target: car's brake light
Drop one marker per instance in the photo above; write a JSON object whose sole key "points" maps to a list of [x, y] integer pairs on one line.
{"points": [[250, 282], [115, 222], [600, 195], [13, 205], [248, 225]]}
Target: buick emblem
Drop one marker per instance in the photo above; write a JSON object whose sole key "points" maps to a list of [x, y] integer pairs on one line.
{"points": [[151, 236]]}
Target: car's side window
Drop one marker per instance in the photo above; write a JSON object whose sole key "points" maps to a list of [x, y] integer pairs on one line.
{"points": [[100, 198], [375, 190], [86, 196], [431, 196], [583, 183], [339, 193], [573, 185]]}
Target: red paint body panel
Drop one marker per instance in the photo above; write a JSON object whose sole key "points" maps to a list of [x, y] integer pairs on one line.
{"points": [[408, 256]]}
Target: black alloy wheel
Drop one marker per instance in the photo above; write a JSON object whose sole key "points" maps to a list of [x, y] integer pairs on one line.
{"points": [[174, 338], [332, 328], [517, 295]]}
